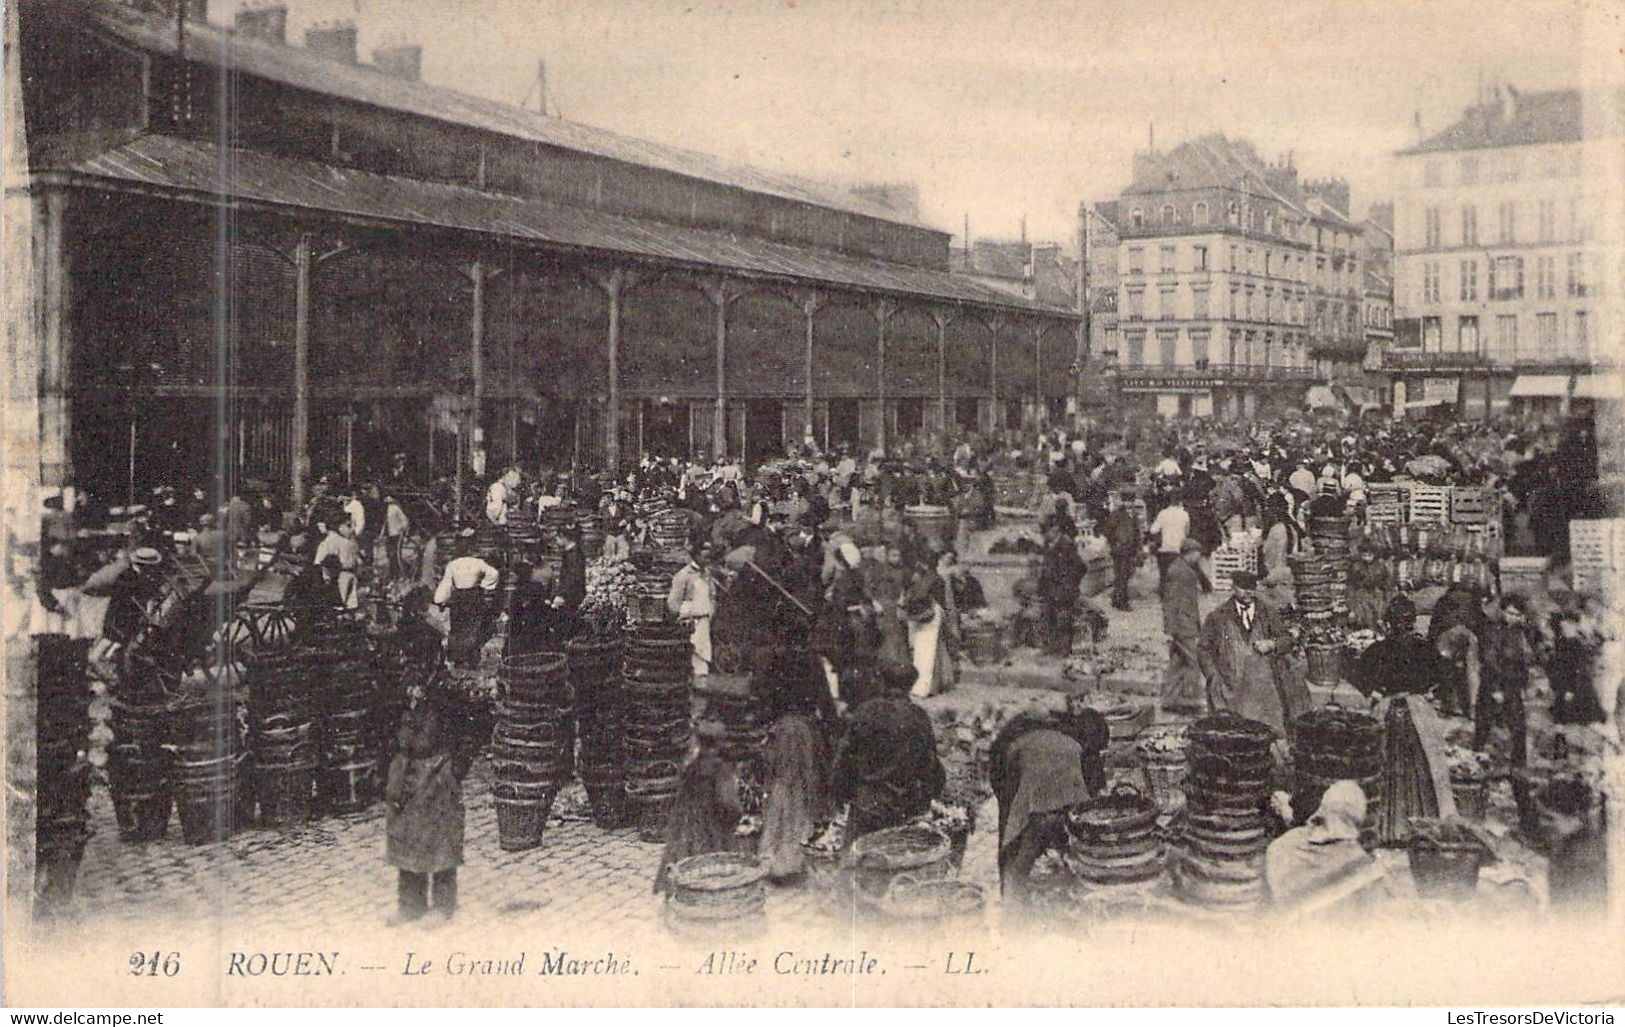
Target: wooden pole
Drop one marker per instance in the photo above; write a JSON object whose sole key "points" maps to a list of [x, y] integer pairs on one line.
{"points": [[56, 425], [942, 376], [720, 295], [476, 411], [809, 307], [300, 428], [612, 284], [882, 312], [130, 492]]}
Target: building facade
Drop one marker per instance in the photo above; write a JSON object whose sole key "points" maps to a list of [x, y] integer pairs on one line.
{"points": [[262, 260], [1506, 246], [1231, 274], [1099, 241]]}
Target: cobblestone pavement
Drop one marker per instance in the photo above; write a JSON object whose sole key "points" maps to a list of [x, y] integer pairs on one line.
{"points": [[331, 873]]}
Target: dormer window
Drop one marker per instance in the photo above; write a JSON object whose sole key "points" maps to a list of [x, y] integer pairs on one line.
{"points": [[1233, 212], [1199, 213], [1168, 217], [1136, 218]]}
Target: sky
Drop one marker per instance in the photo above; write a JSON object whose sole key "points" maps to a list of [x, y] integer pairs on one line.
{"points": [[999, 111]]}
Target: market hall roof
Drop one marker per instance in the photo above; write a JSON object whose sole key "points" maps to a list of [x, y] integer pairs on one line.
{"points": [[171, 166], [360, 83]]}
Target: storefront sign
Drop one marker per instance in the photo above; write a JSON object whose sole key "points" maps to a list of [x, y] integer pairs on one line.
{"points": [[1167, 384]]}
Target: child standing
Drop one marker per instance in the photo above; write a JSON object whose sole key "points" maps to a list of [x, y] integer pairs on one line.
{"points": [[424, 824]]}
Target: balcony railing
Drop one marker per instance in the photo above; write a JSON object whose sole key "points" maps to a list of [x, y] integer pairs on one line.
{"points": [[1198, 375]]}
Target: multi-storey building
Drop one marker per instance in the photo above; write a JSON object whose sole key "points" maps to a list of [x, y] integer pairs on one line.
{"points": [[1377, 317], [1502, 238], [1099, 242], [1231, 272]]}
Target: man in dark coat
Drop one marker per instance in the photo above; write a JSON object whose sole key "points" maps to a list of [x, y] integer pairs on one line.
{"points": [[887, 768], [1182, 623], [1040, 765], [1059, 577], [1123, 536], [1242, 655]]}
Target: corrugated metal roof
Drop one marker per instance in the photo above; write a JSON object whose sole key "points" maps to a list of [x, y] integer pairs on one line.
{"points": [[364, 84], [170, 163]]}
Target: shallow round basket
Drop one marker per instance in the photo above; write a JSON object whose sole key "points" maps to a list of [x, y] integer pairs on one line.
{"points": [[1229, 733], [1123, 814], [717, 871], [900, 848]]}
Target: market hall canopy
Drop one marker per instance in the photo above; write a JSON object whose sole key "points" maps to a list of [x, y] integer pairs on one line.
{"points": [[1540, 386], [187, 169]]}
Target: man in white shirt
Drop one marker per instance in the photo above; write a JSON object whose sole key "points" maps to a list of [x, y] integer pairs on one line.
{"points": [[358, 515], [1169, 467], [340, 542], [693, 599], [1302, 479], [1171, 525], [501, 496], [396, 525], [468, 582]]}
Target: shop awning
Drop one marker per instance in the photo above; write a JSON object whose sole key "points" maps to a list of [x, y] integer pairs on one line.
{"points": [[1321, 396], [1546, 386], [1357, 396], [1600, 386]]}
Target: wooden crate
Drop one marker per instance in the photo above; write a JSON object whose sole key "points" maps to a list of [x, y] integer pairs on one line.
{"points": [[1227, 560], [1469, 505], [1430, 504], [1387, 503], [1594, 552]]}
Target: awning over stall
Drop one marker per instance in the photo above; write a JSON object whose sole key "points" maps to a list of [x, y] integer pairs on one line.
{"points": [[1600, 386], [1540, 386], [1321, 396]]}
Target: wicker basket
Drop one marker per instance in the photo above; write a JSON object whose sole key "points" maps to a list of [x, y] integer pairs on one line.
{"points": [[1445, 859], [882, 858]]}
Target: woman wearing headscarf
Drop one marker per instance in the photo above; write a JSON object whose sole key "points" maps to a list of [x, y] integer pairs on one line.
{"points": [[1321, 863], [1040, 765]]}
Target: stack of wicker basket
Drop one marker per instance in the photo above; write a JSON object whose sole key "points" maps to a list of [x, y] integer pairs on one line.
{"points": [[533, 747], [658, 670], [1331, 745], [1321, 587], [140, 760], [281, 721], [350, 742], [1221, 862], [61, 823], [1114, 839], [600, 693], [208, 755]]}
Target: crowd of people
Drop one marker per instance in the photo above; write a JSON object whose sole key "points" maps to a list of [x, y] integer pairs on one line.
{"points": [[835, 581]]}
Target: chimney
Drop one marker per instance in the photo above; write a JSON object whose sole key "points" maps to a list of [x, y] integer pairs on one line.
{"points": [[268, 23], [404, 61], [541, 86], [334, 40]]}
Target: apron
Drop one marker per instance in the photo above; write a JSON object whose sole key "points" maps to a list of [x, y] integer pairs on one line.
{"points": [[925, 645]]}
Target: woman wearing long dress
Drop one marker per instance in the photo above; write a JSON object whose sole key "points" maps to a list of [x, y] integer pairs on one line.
{"points": [[797, 761]]}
